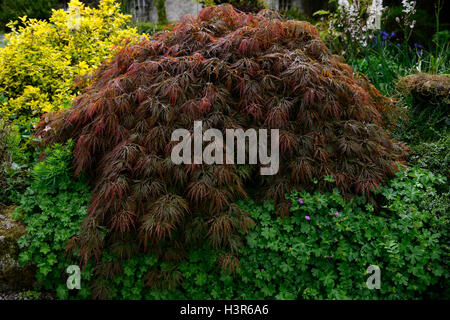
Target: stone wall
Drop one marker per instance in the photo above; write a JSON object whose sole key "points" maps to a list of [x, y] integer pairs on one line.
{"points": [[178, 8], [279, 4], [145, 10]]}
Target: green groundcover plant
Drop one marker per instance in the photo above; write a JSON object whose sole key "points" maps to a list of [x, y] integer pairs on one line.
{"points": [[52, 208], [320, 251]]}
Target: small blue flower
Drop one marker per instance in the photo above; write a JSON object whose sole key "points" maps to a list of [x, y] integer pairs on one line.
{"points": [[419, 48]]}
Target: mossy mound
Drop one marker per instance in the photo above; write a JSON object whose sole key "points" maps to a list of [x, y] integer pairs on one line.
{"points": [[428, 99], [426, 86], [12, 275]]}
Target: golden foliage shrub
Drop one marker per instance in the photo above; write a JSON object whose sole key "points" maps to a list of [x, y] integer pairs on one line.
{"points": [[42, 58]]}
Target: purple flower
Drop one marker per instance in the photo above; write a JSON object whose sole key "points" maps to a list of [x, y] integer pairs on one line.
{"points": [[336, 214], [300, 200], [419, 48], [393, 34], [307, 218]]}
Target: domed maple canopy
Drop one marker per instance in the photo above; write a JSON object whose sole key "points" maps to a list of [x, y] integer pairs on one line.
{"points": [[229, 70]]}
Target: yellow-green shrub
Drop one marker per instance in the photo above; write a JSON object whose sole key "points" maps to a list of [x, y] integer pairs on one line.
{"points": [[41, 59]]}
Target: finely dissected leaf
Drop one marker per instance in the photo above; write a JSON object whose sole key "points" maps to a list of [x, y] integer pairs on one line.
{"points": [[230, 70]]}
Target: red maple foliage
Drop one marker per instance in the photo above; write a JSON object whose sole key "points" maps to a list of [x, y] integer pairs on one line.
{"points": [[230, 70]]}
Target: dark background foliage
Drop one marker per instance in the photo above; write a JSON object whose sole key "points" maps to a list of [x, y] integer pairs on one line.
{"points": [[13, 9], [5, 158], [38, 9]]}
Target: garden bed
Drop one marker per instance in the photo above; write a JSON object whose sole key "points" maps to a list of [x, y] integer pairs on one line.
{"points": [[95, 193]]}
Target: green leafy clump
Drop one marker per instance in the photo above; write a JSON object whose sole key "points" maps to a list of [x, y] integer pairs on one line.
{"points": [[331, 243], [23, 153], [324, 256], [52, 209], [433, 155]]}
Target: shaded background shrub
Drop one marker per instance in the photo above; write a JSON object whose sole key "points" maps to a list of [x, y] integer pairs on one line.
{"points": [[243, 5], [148, 27], [428, 102], [5, 158], [11, 10], [425, 18], [426, 97]]}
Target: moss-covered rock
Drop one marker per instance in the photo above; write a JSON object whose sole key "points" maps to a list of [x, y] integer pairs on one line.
{"points": [[428, 100], [426, 87], [12, 275]]}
